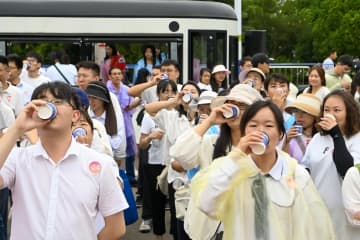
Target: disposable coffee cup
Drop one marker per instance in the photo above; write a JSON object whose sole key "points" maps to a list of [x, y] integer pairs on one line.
{"points": [[260, 147], [79, 132], [328, 115], [47, 111], [299, 129], [233, 113], [187, 97]]}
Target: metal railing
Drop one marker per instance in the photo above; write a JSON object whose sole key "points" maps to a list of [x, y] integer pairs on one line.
{"points": [[296, 72]]}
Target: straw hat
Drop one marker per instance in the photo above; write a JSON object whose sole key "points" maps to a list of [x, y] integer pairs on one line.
{"points": [[220, 68], [244, 73], [242, 93], [307, 103]]}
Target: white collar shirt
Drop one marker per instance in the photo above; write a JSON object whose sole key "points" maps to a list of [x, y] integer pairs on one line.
{"points": [[57, 201], [14, 98]]}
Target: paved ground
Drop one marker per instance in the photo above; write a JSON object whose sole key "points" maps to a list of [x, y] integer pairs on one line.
{"points": [[132, 231]]}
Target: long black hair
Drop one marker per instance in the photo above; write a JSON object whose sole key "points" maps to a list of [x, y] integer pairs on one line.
{"points": [[214, 84], [113, 51], [142, 76], [153, 54], [180, 108], [110, 116], [223, 142], [352, 120]]}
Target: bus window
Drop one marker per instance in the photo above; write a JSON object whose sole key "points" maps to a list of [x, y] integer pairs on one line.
{"points": [[188, 31], [207, 48]]}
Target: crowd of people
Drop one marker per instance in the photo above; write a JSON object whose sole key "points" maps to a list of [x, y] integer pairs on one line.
{"points": [[252, 159]]}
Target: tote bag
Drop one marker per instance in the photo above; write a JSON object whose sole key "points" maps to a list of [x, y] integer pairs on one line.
{"points": [[130, 214]]}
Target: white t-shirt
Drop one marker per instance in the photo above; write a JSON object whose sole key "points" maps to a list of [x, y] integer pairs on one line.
{"points": [[174, 126], [321, 93], [34, 82], [328, 64], [203, 86], [157, 151], [149, 95], [60, 201], [319, 159], [68, 70]]}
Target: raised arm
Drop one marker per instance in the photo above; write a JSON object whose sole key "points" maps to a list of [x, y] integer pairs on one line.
{"points": [[137, 89], [155, 107], [25, 121]]}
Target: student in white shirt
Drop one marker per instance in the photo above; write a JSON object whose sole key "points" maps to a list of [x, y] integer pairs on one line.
{"points": [[196, 149], [102, 109], [83, 132], [58, 185], [261, 195], [62, 70], [167, 114], [204, 81], [15, 67], [9, 94], [317, 83], [332, 152], [32, 74], [89, 71], [154, 138], [328, 64]]}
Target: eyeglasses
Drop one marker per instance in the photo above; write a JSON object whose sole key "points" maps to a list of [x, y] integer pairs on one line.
{"points": [[58, 102], [168, 70]]}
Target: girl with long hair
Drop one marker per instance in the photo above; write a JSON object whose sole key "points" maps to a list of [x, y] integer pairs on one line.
{"points": [[258, 195], [174, 116], [332, 152], [195, 149], [317, 82], [101, 109]]}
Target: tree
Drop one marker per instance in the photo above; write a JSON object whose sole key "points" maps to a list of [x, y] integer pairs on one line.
{"points": [[304, 30]]}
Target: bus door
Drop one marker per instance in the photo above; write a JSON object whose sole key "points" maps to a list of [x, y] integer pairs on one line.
{"points": [[206, 49]]}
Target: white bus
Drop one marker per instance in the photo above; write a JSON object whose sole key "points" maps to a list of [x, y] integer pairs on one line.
{"points": [[195, 33]]}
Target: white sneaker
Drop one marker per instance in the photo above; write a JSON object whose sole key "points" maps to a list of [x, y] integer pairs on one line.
{"points": [[145, 226]]}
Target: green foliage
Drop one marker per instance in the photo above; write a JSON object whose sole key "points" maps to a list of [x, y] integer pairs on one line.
{"points": [[297, 30], [42, 48], [304, 30]]}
